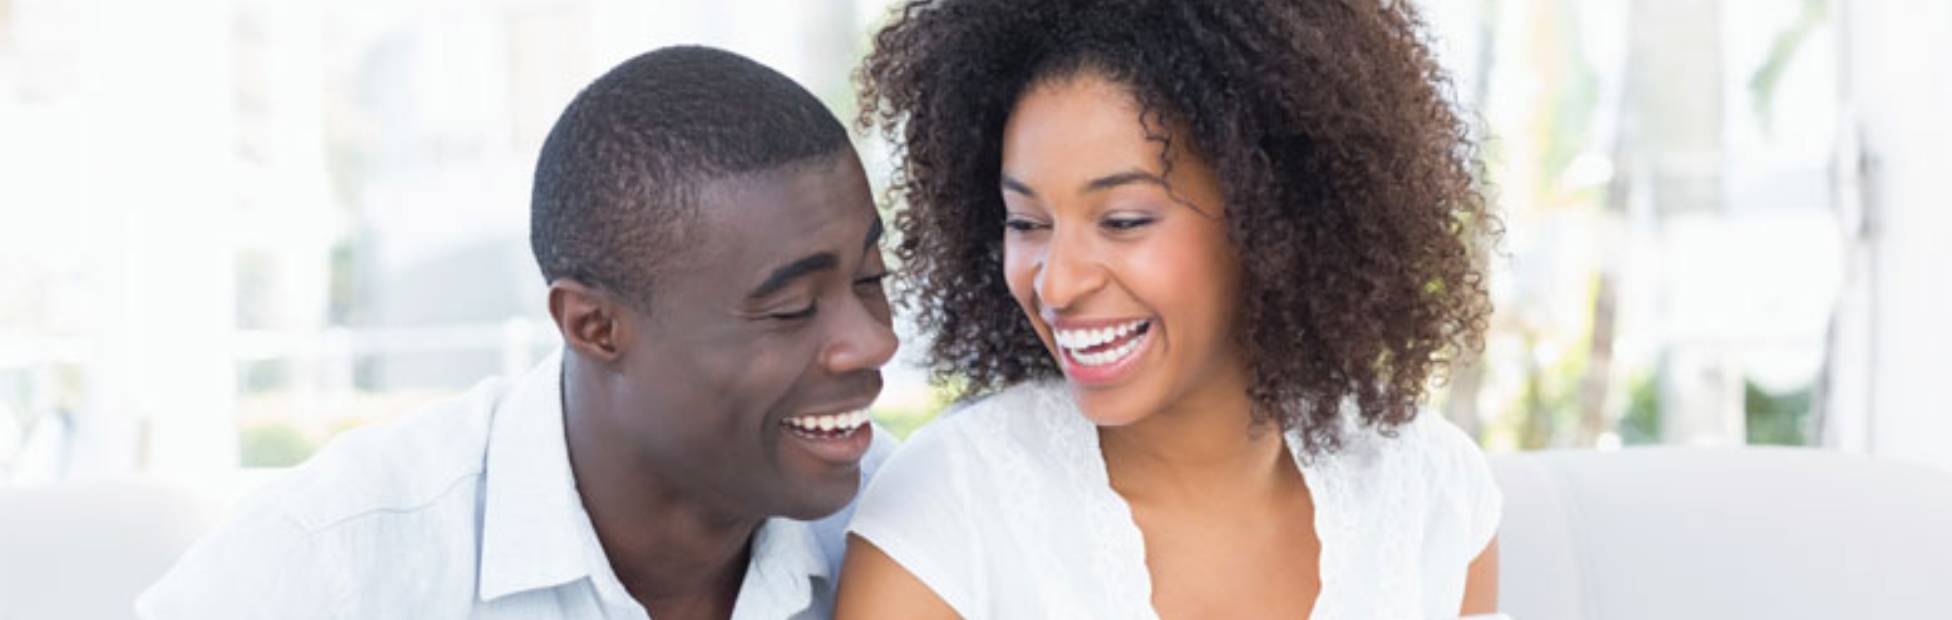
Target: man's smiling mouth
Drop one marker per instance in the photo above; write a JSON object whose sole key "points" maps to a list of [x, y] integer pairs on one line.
{"points": [[829, 426]]}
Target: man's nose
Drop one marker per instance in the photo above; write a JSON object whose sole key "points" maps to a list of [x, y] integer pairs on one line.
{"points": [[864, 340]]}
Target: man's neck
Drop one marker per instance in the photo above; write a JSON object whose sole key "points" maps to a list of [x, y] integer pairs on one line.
{"points": [[676, 555]]}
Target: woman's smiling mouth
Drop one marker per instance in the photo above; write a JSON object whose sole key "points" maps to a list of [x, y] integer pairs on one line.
{"points": [[1100, 352]]}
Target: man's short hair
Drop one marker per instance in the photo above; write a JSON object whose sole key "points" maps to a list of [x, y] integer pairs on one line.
{"points": [[621, 172]]}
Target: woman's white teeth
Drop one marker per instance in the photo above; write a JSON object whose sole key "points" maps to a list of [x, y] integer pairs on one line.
{"points": [[1106, 357], [830, 423], [1077, 341]]}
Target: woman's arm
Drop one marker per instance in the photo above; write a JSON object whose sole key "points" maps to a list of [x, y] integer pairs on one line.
{"points": [[1480, 583], [873, 585]]}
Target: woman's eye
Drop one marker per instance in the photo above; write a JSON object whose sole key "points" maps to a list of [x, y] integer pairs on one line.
{"points": [[1126, 223], [794, 315], [1022, 225]]}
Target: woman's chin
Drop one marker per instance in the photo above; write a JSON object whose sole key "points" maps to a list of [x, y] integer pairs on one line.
{"points": [[1104, 409]]}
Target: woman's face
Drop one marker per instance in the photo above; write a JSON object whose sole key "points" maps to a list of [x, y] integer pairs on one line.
{"points": [[1124, 268]]}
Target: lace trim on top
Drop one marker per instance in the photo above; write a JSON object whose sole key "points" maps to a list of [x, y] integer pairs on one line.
{"points": [[1366, 498]]}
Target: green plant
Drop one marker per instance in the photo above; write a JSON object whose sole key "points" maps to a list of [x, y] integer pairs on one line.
{"points": [[1777, 419], [1641, 425], [273, 444]]}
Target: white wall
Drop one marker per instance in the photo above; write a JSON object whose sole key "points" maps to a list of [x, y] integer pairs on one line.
{"points": [[1895, 343]]}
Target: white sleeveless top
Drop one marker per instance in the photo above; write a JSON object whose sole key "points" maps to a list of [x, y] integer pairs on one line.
{"points": [[1003, 508]]}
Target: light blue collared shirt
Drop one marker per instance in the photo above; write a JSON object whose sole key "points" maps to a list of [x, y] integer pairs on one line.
{"points": [[465, 510]]}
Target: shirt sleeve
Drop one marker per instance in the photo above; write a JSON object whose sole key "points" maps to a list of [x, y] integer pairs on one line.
{"points": [[917, 511], [1487, 501], [1469, 478], [262, 565]]}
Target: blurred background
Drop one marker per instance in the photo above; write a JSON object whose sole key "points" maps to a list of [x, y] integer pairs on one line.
{"points": [[232, 229]]}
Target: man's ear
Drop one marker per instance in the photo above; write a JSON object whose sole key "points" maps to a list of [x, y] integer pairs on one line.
{"points": [[591, 320]]}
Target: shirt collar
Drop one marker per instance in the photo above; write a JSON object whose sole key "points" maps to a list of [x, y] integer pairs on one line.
{"points": [[534, 531], [787, 564], [528, 517]]}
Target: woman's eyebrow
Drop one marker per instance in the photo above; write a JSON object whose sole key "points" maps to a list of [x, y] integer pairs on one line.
{"points": [[1099, 184], [1123, 178], [1012, 185]]}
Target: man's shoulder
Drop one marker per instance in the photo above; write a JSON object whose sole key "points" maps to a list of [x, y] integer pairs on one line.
{"points": [[392, 499], [397, 467]]}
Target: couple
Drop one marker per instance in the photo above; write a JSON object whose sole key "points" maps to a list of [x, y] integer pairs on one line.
{"points": [[1192, 264]]}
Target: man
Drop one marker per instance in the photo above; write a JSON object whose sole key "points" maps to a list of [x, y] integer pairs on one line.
{"points": [[711, 248]]}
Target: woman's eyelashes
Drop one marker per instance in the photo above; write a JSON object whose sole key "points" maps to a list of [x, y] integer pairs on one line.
{"points": [[1115, 223], [1123, 223], [1019, 224]]}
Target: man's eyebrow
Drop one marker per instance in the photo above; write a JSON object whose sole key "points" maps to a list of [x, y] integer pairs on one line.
{"points": [[874, 233], [797, 269], [1123, 178]]}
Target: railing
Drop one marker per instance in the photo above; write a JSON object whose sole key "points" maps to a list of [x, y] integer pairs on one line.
{"points": [[324, 363]]}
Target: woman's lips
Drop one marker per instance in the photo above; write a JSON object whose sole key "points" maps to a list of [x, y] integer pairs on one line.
{"points": [[1103, 352]]}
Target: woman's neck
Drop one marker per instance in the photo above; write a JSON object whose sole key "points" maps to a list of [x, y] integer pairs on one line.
{"points": [[1205, 448]]}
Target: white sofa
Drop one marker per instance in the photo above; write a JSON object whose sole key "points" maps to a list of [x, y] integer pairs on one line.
{"points": [[85, 549], [1651, 533], [1681, 534]]}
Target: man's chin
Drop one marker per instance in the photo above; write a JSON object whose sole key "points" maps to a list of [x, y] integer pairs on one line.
{"points": [[821, 476], [816, 500]]}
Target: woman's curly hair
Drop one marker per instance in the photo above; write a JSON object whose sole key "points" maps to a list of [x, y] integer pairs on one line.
{"points": [[1350, 183]]}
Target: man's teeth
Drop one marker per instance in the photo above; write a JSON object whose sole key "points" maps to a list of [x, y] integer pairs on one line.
{"points": [[831, 422], [1075, 341]]}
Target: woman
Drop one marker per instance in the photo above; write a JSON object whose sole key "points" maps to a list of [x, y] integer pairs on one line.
{"points": [[1202, 259]]}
